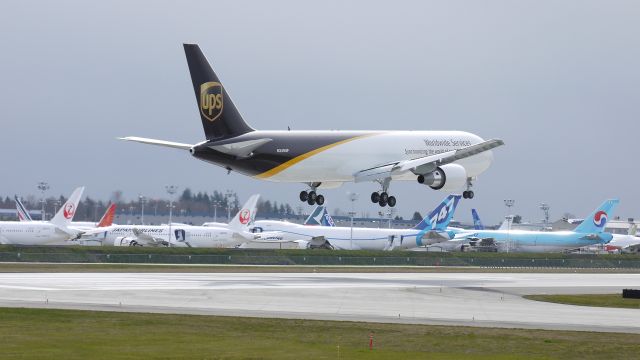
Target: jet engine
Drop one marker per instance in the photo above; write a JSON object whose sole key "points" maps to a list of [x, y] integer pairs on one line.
{"points": [[450, 177], [126, 241]]}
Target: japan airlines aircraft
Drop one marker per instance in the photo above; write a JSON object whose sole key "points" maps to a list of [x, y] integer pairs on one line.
{"points": [[430, 230], [629, 242], [589, 232], [55, 231], [105, 220], [181, 235], [441, 160]]}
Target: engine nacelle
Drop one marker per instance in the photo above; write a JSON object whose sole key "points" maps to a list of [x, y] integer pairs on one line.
{"points": [[450, 177], [126, 241]]}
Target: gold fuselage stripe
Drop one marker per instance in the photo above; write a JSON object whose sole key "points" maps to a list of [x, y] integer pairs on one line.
{"points": [[297, 159]]}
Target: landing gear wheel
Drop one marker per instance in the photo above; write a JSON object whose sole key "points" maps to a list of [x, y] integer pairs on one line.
{"points": [[382, 202], [384, 197], [464, 194], [311, 200], [375, 197], [319, 199], [392, 201], [312, 195], [470, 194], [304, 195]]}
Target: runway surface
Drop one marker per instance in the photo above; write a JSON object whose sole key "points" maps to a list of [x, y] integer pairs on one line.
{"points": [[475, 299]]}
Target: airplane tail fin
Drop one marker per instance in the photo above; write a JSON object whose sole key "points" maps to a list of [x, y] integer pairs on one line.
{"points": [[477, 224], [64, 216], [107, 218], [246, 215], [440, 217], [23, 213], [597, 220], [219, 116], [319, 216]]}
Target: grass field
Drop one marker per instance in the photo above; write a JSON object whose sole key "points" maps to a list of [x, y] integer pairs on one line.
{"points": [[70, 334], [102, 267], [601, 300]]}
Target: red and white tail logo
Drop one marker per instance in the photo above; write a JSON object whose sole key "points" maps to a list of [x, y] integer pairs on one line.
{"points": [[245, 216], [69, 211]]}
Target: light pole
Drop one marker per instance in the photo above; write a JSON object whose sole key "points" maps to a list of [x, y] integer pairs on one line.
{"points": [[56, 204], [509, 203], [171, 190], [390, 214], [43, 187], [545, 209], [352, 197], [143, 201], [215, 203], [228, 197]]}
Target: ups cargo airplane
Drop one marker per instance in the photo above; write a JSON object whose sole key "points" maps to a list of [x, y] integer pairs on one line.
{"points": [[442, 160]]}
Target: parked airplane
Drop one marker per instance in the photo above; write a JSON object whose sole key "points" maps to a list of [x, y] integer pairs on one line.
{"points": [[105, 220], [181, 235], [431, 229], [442, 160], [54, 231], [628, 242], [589, 232]]}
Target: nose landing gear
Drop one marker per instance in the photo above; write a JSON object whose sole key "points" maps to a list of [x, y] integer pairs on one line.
{"points": [[468, 194]]}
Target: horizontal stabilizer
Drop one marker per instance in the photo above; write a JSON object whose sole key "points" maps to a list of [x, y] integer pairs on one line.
{"points": [[242, 149], [158, 142]]}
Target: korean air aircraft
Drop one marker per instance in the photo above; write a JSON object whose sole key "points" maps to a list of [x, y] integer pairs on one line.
{"points": [[53, 232], [442, 160], [589, 232], [180, 235], [430, 230]]}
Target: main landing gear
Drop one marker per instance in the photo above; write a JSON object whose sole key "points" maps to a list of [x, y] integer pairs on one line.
{"points": [[382, 198], [468, 194], [311, 197]]}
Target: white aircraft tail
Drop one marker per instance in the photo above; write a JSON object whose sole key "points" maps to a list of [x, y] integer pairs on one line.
{"points": [[246, 215], [64, 216]]}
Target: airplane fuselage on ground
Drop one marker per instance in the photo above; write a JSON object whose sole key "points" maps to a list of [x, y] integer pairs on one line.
{"points": [[31, 233]]}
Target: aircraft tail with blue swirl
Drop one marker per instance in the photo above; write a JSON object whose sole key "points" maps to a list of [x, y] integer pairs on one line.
{"points": [[597, 220], [440, 217]]}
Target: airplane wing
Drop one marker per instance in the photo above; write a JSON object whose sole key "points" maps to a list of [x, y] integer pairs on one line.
{"points": [[425, 164], [148, 240]]}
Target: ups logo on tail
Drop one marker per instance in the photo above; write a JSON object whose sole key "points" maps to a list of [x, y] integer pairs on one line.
{"points": [[211, 100]]}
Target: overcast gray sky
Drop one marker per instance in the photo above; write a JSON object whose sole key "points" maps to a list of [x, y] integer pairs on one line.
{"points": [[557, 80]]}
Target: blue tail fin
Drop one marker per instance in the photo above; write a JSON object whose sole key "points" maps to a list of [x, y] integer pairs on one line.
{"points": [[440, 217], [596, 222], [319, 216], [477, 224]]}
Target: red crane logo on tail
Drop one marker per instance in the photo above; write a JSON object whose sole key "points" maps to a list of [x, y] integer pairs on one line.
{"points": [[245, 216], [69, 211]]}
